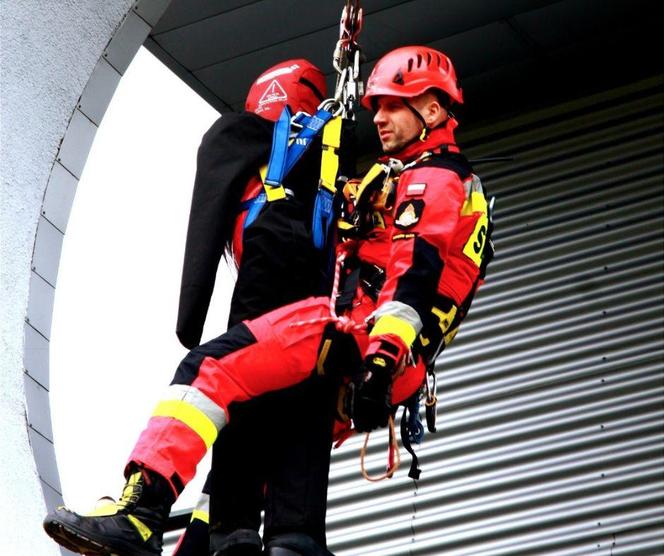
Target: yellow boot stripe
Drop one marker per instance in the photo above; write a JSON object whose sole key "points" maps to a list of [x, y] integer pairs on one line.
{"points": [[389, 324], [191, 416], [142, 528], [201, 515], [105, 510]]}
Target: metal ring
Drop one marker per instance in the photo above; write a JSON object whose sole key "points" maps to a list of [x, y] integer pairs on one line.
{"points": [[333, 105]]}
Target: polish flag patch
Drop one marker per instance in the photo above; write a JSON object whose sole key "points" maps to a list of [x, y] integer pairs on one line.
{"points": [[415, 189]]}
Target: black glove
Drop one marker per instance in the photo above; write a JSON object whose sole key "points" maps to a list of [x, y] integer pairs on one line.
{"points": [[369, 395], [368, 402]]}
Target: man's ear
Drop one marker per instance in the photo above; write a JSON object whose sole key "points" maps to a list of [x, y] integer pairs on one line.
{"points": [[434, 113]]}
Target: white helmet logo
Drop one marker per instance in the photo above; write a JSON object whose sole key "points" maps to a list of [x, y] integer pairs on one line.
{"points": [[274, 93]]}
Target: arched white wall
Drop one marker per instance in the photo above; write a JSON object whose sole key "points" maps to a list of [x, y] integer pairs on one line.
{"points": [[60, 65]]}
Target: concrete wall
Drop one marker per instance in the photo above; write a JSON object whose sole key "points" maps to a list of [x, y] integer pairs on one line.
{"points": [[61, 62]]}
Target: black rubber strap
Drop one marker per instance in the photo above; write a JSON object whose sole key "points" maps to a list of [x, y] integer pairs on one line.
{"points": [[414, 471]]}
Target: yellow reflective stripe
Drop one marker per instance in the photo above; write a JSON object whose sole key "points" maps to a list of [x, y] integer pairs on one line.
{"points": [[201, 515], [143, 530], [476, 203], [389, 324], [191, 416], [329, 162]]}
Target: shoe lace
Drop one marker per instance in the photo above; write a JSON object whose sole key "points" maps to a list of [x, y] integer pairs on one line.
{"points": [[132, 490]]}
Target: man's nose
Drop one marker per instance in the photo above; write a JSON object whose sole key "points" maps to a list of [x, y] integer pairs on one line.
{"points": [[379, 117]]}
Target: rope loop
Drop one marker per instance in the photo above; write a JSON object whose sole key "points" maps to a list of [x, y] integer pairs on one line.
{"points": [[342, 323], [393, 451]]}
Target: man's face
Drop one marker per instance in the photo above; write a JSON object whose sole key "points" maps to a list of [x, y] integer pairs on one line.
{"points": [[395, 122]]}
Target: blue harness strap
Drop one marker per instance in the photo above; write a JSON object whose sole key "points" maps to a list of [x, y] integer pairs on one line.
{"points": [[276, 167], [286, 151], [253, 207], [284, 155], [322, 217]]}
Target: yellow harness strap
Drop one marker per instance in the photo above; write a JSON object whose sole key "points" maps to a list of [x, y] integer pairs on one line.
{"points": [[273, 193], [374, 172], [329, 162]]}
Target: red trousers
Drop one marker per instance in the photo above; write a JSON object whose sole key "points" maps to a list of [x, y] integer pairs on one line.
{"points": [[269, 353]]}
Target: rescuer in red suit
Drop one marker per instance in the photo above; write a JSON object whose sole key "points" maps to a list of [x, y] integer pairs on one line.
{"points": [[414, 241]]}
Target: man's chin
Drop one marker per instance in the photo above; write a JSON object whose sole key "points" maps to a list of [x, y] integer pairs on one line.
{"points": [[389, 147]]}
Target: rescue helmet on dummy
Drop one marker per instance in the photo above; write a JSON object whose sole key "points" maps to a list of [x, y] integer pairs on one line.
{"points": [[410, 71], [296, 83]]}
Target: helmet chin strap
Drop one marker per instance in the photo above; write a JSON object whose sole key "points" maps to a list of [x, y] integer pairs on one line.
{"points": [[421, 137], [425, 128]]}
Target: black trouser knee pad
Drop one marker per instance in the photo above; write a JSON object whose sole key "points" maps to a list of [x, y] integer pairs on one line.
{"points": [[241, 542], [294, 544]]}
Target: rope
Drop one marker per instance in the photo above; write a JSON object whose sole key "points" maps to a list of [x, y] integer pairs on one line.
{"points": [[342, 323], [393, 451]]}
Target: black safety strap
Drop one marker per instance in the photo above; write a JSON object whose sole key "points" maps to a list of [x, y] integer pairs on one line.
{"points": [[348, 290], [414, 471]]}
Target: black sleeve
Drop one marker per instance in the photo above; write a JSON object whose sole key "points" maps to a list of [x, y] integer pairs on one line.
{"points": [[230, 152]]}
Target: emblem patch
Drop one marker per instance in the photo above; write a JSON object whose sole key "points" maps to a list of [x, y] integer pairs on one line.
{"points": [[409, 213]]}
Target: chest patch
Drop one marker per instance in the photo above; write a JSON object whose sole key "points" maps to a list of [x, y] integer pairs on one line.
{"points": [[409, 213], [415, 189]]}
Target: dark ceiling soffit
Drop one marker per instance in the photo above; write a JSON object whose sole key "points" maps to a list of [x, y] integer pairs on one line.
{"points": [[183, 73]]}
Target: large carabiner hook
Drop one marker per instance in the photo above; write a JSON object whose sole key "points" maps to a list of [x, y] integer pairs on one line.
{"points": [[332, 105]]}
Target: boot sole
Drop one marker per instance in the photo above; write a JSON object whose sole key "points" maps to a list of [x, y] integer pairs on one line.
{"points": [[75, 540]]}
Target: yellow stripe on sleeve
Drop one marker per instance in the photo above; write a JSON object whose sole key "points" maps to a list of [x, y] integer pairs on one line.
{"points": [[389, 324]]}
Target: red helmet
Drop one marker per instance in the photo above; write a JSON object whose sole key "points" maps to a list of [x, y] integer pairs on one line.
{"points": [[297, 83], [410, 71]]}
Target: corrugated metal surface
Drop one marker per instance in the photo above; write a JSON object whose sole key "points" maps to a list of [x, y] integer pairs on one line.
{"points": [[550, 413], [550, 403]]}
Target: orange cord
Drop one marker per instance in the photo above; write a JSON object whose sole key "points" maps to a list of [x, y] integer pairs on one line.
{"points": [[393, 446]]}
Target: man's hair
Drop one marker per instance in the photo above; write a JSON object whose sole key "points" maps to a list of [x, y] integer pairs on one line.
{"points": [[443, 98]]}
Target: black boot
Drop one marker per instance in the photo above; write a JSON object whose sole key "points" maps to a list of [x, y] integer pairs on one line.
{"points": [[241, 542], [134, 526]]}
